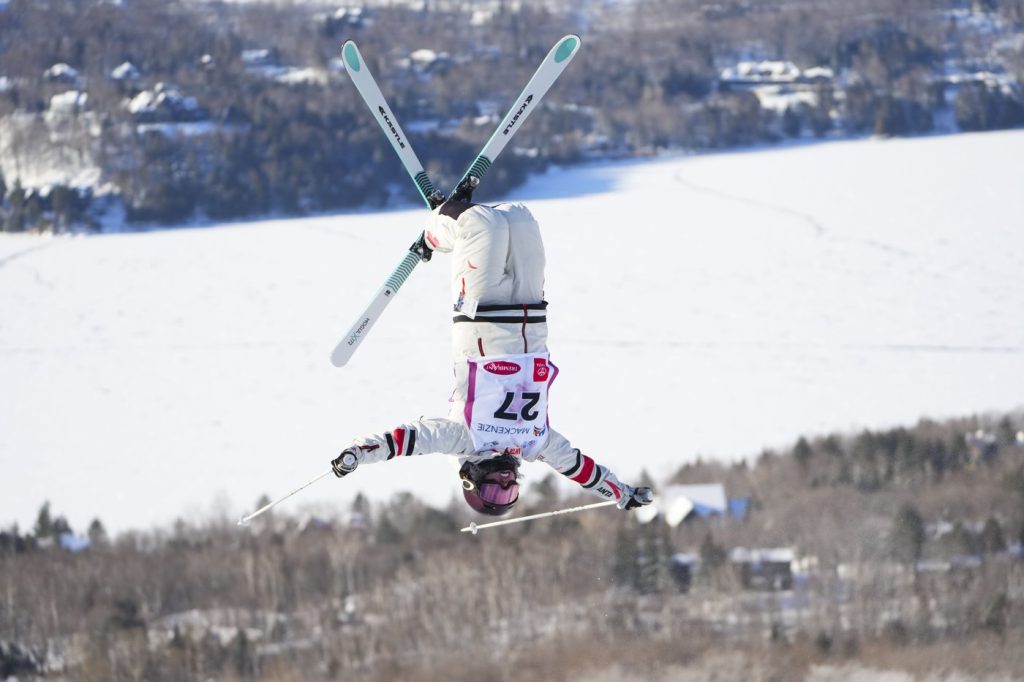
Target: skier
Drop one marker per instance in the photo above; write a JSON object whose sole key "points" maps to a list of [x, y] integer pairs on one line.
{"points": [[498, 413]]}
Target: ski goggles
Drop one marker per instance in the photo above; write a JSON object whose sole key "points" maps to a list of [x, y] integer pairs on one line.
{"points": [[499, 488]]}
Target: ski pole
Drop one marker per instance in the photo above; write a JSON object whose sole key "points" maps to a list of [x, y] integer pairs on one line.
{"points": [[473, 528], [267, 507]]}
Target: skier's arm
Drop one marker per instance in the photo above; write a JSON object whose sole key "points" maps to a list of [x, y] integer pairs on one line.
{"points": [[441, 231], [419, 437], [595, 478]]}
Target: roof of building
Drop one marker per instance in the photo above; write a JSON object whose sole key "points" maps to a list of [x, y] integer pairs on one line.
{"points": [[676, 502], [775, 555]]}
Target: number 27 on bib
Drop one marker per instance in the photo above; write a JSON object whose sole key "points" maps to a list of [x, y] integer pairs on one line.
{"points": [[507, 406]]}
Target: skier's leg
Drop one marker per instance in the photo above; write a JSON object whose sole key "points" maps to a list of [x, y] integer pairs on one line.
{"points": [[526, 260]]}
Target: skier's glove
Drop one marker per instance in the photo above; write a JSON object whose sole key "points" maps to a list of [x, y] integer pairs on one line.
{"points": [[421, 248], [635, 497], [435, 199], [464, 192], [345, 463]]}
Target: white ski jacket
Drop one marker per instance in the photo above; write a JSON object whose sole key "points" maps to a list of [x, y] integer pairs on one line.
{"points": [[497, 283]]}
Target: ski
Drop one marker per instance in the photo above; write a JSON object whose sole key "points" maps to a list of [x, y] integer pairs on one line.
{"points": [[543, 78], [347, 346], [365, 83]]}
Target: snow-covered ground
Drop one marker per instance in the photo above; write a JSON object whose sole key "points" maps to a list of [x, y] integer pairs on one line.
{"points": [[707, 306]]}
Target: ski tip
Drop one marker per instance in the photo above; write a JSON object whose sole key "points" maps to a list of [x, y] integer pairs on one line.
{"points": [[243, 521], [350, 56], [567, 47]]}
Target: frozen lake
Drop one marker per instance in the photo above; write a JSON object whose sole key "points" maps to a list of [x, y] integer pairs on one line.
{"points": [[700, 306]]}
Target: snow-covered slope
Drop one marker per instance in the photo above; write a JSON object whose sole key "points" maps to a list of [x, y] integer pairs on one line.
{"points": [[706, 306]]}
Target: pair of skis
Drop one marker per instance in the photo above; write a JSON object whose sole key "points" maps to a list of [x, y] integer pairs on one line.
{"points": [[546, 74]]}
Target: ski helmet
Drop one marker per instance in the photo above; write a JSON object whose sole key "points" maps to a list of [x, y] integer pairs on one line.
{"points": [[491, 487]]}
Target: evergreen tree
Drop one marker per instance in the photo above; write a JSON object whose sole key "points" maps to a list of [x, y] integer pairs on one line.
{"points": [[386, 533], [546, 489], [713, 557], [624, 555], [791, 122], [15, 219], [1006, 432], [361, 508], [44, 522], [645, 480], [642, 556], [802, 452], [979, 106], [49, 526], [859, 103], [962, 540], [691, 83], [995, 614], [97, 534], [653, 558], [992, 539], [68, 206], [244, 655], [431, 522], [820, 114], [125, 614], [61, 526], [33, 210], [908, 535], [166, 190], [13, 542]]}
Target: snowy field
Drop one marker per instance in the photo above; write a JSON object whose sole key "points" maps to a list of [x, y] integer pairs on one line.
{"points": [[706, 306]]}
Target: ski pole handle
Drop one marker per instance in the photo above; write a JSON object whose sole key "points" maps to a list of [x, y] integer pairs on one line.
{"points": [[473, 527], [267, 507]]}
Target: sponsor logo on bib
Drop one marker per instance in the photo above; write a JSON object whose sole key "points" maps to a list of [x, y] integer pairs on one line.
{"points": [[502, 367], [540, 369]]}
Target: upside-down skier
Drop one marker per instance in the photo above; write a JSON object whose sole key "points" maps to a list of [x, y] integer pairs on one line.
{"points": [[498, 415]]}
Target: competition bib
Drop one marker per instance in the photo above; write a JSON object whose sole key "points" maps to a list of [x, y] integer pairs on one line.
{"points": [[507, 402]]}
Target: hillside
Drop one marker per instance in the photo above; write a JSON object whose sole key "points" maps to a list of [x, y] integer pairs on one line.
{"points": [[909, 566], [146, 112]]}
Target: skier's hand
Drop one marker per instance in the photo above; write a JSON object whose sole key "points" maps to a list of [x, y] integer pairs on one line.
{"points": [[464, 192], [421, 247], [635, 497], [345, 463], [435, 199]]}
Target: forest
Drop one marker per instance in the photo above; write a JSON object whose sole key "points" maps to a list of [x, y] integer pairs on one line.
{"points": [[904, 553], [171, 111]]}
